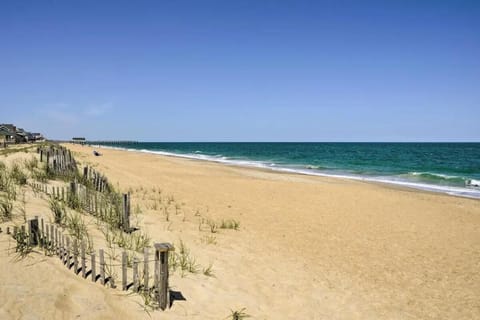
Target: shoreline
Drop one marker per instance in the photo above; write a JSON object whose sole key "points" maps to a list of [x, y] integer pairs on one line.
{"points": [[256, 165]]}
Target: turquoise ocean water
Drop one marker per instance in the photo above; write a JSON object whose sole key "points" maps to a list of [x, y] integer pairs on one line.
{"points": [[452, 168]]}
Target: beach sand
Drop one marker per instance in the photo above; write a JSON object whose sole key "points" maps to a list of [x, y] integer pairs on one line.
{"points": [[307, 248]]}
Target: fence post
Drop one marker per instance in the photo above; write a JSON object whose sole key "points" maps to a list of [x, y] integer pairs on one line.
{"points": [[52, 237], [124, 270], [102, 267], [47, 241], [64, 250], [33, 231], [59, 243], [126, 212], [83, 260], [42, 233], [75, 256], [135, 275], [145, 269], [56, 241], [94, 273], [161, 273], [68, 253]]}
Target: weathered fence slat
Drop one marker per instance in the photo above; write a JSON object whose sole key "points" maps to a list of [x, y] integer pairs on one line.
{"points": [[75, 256], [145, 269], [136, 283], [102, 267], [84, 271], [68, 252], [94, 273], [124, 270]]}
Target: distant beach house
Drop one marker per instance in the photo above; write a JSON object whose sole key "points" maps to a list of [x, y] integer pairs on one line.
{"points": [[7, 135], [21, 136], [36, 136], [10, 134]]}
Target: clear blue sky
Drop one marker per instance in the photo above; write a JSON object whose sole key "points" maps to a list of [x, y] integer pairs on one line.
{"points": [[242, 70]]}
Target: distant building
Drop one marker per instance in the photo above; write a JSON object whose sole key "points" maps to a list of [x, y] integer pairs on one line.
{"points": [[37, 137], [80, 140], [10, 134], [7, 135], [21, 136]]}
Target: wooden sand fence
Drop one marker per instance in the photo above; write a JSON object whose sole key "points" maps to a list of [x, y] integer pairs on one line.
{"points": [[92, 193], [94, 196], [58, 159], [75, 256]]}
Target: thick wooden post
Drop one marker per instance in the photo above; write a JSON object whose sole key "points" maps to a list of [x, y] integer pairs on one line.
{"points": [[102, 267], [161, 273], [124, 270]]}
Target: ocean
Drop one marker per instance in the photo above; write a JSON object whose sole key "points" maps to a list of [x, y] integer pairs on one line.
{"points": [[452, 168]]}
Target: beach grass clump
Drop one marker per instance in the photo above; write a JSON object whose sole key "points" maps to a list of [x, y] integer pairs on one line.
{"points": [[7, 185], [212, 225], [209, 239], [166, 213], [23, 247], [238, 314], [58, 210], [230, 224], [184, 261], [73, 202], [17, 175], [134, 242], [31, 164], [208, 271], [40, 175], [150, 301], [76, 226], [6, 208]]}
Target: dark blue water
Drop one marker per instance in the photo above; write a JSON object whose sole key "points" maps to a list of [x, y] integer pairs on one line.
{"points": [[446, 167]]}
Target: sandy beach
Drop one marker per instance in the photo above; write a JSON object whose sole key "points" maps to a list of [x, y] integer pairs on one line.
{"points": [[307, 248]]}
